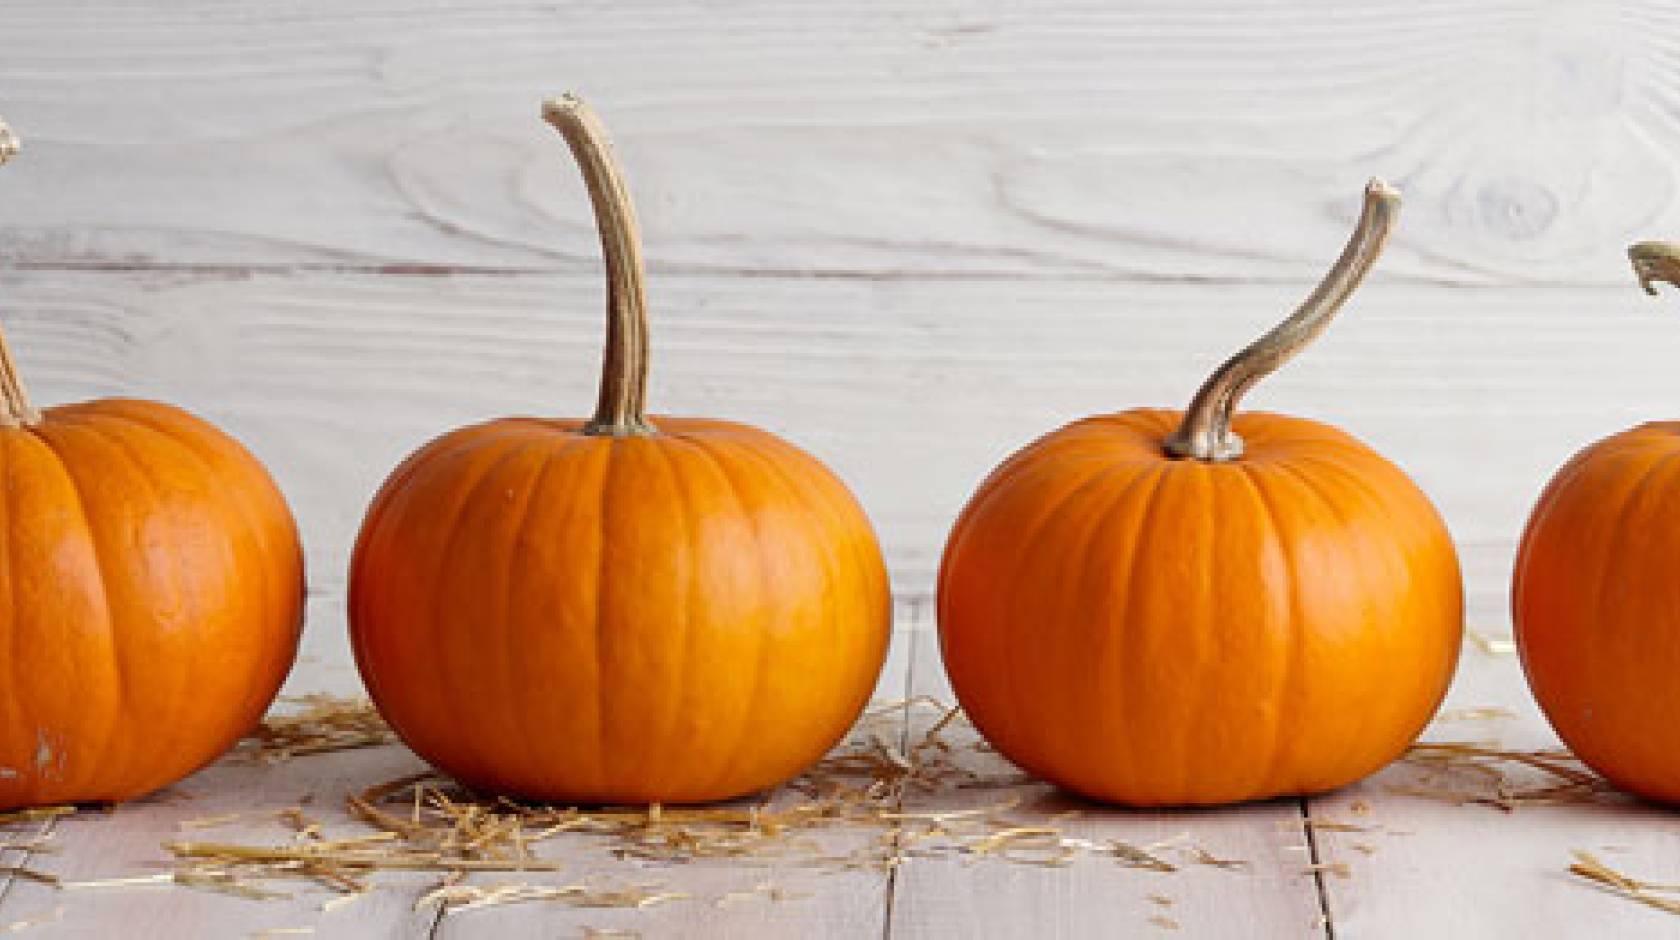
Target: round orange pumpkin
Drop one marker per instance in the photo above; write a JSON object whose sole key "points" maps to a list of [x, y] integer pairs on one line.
{"points": [[1595, 595], [151, 586], [1152, 608], [619, 609]]}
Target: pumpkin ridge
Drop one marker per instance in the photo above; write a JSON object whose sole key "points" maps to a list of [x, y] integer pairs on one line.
{"points": [[427, 629], [519, 721], [14, 715], [144, 471], [1010, 714], [374, 520], [603, 770], [659, 743], [1309, 485], [731, 763], [258, 534], [835, 507], [1268, 536], [1182, 476], [1108, 659], [1288, 680], [1566, 477], [1129, 636], [101, 563], [493, 469], [1076, 568], [1603, 579]]}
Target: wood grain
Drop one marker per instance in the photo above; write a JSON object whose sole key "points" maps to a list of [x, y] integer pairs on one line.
{"points": [[911, 390], [1144, 141], [128, 844]]}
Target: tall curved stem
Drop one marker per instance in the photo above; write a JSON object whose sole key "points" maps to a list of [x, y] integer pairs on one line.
{"points": [[1205, 433], [15, 409], [621, 409]]}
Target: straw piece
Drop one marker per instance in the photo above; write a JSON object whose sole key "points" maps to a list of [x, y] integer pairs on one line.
{"points": [[1491, 645], [34, 920], [35, 814], [1568, 781], [30, 874], [1476, 713], [327, 723], [1588, 866]]}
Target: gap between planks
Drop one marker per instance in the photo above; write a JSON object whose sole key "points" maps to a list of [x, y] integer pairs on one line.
{"points": [[1303, 805], [659, 269], [917, 609]]}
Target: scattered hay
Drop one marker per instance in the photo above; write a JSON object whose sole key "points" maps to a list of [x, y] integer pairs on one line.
{"points": [[35, 814], [867, 794], [1476, 713], [1203, 857], [1465, 773], [458, 899], [326, 723], [1588, 866]]}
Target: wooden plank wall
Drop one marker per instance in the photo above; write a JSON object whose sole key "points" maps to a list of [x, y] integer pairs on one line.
{"points": [[908, 236]]}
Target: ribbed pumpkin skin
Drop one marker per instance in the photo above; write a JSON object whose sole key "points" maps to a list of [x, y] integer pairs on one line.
{"points": [[151, 596], [1153, 631], [681, 617], [1596, 601]]}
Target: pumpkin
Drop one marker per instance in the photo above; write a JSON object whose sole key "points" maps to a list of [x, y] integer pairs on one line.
{"points": [[151, 594], [624, 609], [1595, 599], [1155, 608]]}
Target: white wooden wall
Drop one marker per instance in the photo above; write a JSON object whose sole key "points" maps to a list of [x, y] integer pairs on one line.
{"points": [[909, 236]]}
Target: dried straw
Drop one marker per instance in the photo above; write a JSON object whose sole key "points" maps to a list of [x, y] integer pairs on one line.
{"points": [[867, 794], [1588, 866], [326, 723], [1467, 773]]}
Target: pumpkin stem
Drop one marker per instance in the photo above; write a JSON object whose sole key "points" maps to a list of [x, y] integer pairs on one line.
{"points": [[1205, 433], [15, 409], [1655, 261], [620, 410]]}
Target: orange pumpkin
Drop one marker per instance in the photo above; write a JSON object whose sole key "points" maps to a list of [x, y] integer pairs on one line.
{"points": [[1153, 608], [151, 586], [1596, 600], [619, 609]]}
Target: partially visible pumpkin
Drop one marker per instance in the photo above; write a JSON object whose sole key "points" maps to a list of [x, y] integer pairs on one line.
{"points": [[1595, 595], [151, 594], [619, 609], [1159, 608]]}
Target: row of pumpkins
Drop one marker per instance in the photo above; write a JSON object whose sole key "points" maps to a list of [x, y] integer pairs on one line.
{"points": [[1149, 607]]}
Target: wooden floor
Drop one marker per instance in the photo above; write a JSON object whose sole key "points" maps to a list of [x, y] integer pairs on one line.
{"points": [[1368, 861]]}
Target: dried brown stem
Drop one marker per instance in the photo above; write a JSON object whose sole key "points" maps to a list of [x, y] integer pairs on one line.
{"points": [[1655, 261], [1205, 433], [621, 409], [15, 409]]}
